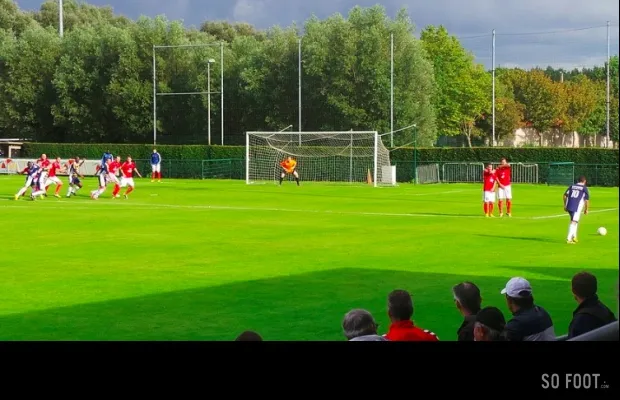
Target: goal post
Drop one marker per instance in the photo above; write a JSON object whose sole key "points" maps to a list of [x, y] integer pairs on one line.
{"points": [[352, 157]]}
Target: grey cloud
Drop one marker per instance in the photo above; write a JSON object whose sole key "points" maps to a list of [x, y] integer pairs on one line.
{"points": [[462, 18]]}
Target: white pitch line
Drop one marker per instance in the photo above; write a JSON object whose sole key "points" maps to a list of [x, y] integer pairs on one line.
{"points": [[121, 203], [565, 214]]}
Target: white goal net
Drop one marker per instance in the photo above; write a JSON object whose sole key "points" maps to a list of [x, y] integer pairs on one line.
{"points": [[344, 157]]}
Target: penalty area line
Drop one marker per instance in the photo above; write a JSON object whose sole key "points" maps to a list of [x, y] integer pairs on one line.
{"points": [[565, 214]]}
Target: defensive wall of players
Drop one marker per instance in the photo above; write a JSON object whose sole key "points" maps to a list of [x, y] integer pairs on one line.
{"points": [[429, 165]]}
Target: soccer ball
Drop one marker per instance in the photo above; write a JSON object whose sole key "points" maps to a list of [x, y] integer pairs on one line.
{"points": [[602, 231]]}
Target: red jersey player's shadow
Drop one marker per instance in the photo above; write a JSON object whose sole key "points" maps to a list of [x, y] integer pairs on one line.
{"points": [[531, 239]]}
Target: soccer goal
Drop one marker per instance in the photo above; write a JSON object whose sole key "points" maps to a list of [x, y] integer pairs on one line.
{"points": [[561, 173], [334, 157]]}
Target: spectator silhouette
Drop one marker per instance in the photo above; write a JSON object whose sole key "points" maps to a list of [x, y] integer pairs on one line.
{"points": [[530, 322], [360, 326], [468, 302], [249, 336], [402, 328], [590, 313], [489, 325]]}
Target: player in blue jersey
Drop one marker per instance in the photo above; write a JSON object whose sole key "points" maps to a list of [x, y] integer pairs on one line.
{"points": [[107, 157], [156, 166], [576, 201], [103, 180], [32, 174]]}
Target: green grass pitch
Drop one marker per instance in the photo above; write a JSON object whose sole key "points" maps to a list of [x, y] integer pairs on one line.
{"points": [[205, 260]]}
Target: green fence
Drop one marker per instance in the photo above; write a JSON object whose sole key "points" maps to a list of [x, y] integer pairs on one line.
{"points": [[596, 174], [447, 172]]}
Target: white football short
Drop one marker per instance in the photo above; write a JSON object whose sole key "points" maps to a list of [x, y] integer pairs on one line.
{"points": [[156, 167], [505, 193], [113, 178], [53, 179], [127, 182], [489, 197]]}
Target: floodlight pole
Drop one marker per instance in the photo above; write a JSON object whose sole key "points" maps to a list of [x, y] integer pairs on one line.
{"points": [[607, 96], [299, 88], [209, 102], [221, 92], [392, 90], [154, 99], [61, 19], [493, 90], [415, 154]]}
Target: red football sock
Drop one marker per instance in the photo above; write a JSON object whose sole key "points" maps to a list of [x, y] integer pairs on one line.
{"points": [[508, 206], [129, 190], [153, 175], [500, 204], [490, 208], [159, 175], [46, 188], [117, 189], [486, 208], [58, 189]]}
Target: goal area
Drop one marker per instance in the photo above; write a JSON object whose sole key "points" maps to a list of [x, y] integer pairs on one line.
{"points": [[352, 157]]}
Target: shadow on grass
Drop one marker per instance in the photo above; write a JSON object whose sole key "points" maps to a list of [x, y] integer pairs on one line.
{"points": [[526, 238], [302, 307]]}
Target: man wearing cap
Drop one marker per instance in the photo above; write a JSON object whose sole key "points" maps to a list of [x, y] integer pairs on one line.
{"points": [[530, 323], [489, 325]]}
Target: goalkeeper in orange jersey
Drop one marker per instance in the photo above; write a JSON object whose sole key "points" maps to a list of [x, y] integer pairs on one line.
{"points": [[289, 166]]}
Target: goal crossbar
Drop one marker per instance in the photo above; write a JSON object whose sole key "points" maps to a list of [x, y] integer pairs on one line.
{"points": [[322, 156]]}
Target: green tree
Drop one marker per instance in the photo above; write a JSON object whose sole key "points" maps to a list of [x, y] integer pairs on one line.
{"points": [[463, 87], [540, 97]]}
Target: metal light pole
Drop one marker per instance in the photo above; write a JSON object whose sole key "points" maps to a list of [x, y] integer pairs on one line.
{"points": [[415, 153], [392, 90], [209, 92], [608, 100], [61, 23], [222, 91], [211, 61], [493, 95]]}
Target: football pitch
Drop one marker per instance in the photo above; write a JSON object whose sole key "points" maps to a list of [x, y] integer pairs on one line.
{"points": [[206, 260]]}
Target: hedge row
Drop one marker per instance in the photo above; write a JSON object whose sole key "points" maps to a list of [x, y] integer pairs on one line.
{"points": [[459, 154]]}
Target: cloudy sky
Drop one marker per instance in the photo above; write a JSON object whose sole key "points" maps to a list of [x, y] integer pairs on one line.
{"points": [[529, 32]]}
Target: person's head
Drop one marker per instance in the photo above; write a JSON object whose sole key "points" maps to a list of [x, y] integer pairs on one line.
{"points": [[58, 159], [29, 164], [77, 159], [249, 336], [467, 298], [519, 294], [582, 180], [118, 158], [400, 306], [358, 323], [154, 150], [584, 286], [129, 159], [503, 161], [489, 166], [489, 325], [43, 156]]}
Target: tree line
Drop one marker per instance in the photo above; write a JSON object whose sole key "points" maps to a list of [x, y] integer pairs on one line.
{"points": [[95, 84]]}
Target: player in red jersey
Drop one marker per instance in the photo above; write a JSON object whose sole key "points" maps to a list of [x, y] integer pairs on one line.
{"points": [[504, 192], [113, 168], [54, 168], [45, 165], [489, 181], [402, 328], [127, 170]]}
